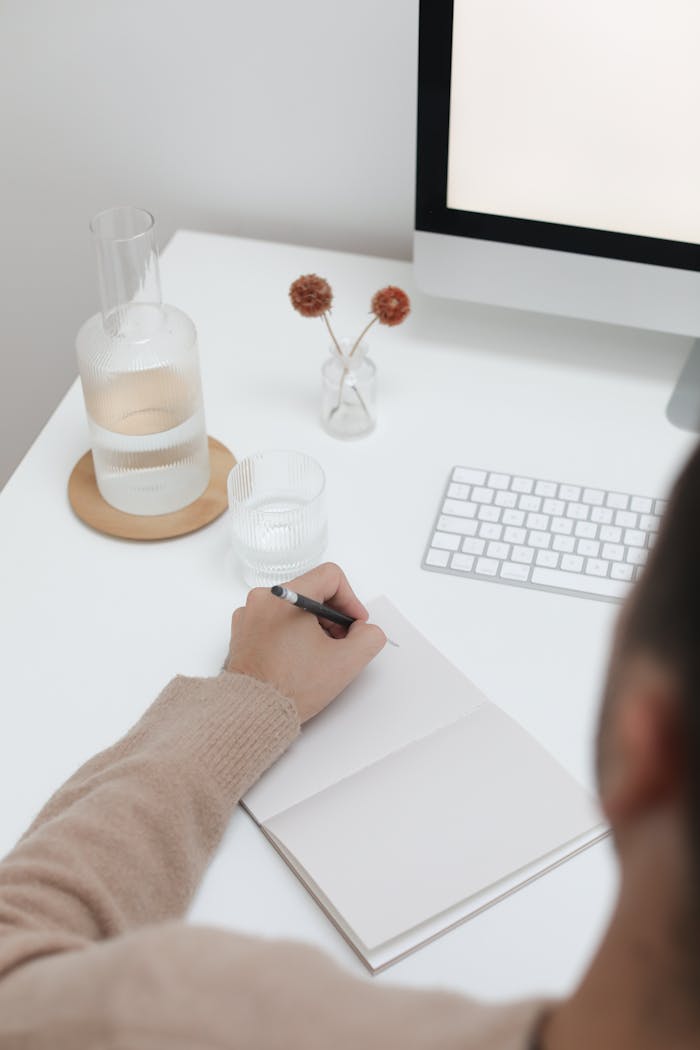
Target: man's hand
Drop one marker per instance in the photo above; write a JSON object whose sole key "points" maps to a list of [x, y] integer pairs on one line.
{"points": [[277, 643]]}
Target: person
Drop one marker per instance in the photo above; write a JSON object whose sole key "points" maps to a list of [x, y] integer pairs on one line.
{"points": [[93, 952]]}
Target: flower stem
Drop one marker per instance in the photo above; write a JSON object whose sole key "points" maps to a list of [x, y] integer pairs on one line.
{"points": [[324, 315], [362, 402], [362, 334], [340, 393], [340, 397]]}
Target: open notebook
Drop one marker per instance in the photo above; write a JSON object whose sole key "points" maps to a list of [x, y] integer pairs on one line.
{"points": [[412, 802]]}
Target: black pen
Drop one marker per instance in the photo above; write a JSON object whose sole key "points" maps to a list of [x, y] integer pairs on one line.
{"points": [[317, 608]]}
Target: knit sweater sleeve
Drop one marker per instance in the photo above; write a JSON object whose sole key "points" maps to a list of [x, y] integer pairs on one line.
{"points": [[88, 958], [125, 841]]}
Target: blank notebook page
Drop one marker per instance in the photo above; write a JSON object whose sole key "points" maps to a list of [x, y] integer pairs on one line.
{"points": [[405, 693], [412, 793], [434, 823]]}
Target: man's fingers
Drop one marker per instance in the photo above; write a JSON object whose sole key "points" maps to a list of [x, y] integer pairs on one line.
{"points": [[335, 630], [367, 639], [328, 583]]}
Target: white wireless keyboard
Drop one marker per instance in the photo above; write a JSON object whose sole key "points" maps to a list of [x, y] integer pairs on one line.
{"points": [[542, 534]]}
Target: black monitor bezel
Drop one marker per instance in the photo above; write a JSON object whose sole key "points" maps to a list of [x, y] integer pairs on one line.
{"points": [[433, 215]]}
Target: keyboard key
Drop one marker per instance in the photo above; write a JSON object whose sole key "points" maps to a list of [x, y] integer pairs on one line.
{"points": [[610, 533], [634, 538], [445, 541], [462, 562], [522, 485], [480, 495], [498, 481], [555, 507], [613, 552], [539, 539], [578, 511], [641, 504], [490, 531], [523, 555], [438, 558], [498, 550], [660, 506], [458, 491], [597, 567], [513, 517], [564, 543], [469, 476], [635, 556], [617, 500], [529, 502], [513, 535], [473, 546], [593, 496], [506, 499], [463, 508], [486, 566], [463, 526], [549, 559], [649, 522], [588, 548], [545, 488], [569, 492], [514, 571], [601, 515], [638, 572], [603, 587], [626, 519], [585, 530], [572, 562], [487, 513], [619, 570], [537, 521], [562, 525]]}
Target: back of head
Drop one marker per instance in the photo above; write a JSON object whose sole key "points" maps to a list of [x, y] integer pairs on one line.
{"points": [[662, 619]]}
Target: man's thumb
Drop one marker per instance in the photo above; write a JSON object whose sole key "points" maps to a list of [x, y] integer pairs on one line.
{"points": [[367, 638]]}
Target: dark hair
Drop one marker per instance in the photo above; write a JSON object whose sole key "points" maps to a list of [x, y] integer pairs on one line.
{"points": [[663, 617]]}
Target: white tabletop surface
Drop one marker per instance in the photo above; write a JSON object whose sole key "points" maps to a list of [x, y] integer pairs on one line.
{"points": [[93, 627]]}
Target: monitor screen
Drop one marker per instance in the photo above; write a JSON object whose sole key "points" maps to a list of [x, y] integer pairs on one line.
{"points": [[565, 125]]}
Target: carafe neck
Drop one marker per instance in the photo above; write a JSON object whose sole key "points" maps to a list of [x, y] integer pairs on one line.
{"points": [[128, 272]]}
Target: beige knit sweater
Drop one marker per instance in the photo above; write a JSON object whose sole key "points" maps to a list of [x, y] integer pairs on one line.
{"points": [[93, 952]]}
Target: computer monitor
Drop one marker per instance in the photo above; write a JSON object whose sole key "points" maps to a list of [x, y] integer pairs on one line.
{"points": [[558, 161]]}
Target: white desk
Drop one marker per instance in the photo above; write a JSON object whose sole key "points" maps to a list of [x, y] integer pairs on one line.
{"points": [[92, 627]]}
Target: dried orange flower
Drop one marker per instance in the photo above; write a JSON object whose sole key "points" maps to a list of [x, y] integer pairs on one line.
{"points": [[391, 305], [311, 295]]}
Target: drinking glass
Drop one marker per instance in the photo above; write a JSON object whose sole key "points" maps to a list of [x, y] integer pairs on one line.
{"points": [[278, 517]]}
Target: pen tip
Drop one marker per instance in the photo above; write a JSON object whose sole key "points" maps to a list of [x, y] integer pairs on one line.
{"points": [[277, 591]]}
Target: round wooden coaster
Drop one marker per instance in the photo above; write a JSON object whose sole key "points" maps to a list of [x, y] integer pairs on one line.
{"points": [[86, 501]]}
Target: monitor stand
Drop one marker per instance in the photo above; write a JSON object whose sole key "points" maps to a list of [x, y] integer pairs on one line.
{"points": [[683, 410]]}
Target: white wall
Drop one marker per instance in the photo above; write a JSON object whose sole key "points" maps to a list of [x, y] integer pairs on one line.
{"points": [[286, 119]]}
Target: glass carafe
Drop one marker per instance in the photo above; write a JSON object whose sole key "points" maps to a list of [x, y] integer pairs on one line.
{"points": [[139, 369]]}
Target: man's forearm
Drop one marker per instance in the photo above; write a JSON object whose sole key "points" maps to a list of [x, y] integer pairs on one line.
{"points": [[125, 841]]}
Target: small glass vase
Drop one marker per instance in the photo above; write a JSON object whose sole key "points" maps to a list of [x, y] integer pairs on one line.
{"points": [[348, 391]]}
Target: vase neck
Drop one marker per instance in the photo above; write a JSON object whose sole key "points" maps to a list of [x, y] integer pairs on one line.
{"points": [[344, 358], [128, 272]]}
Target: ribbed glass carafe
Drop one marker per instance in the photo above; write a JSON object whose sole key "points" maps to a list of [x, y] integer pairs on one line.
{"points": [[139, 369]]}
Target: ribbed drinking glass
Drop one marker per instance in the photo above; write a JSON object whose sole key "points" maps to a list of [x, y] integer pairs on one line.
{"points": [[278, 516]]}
